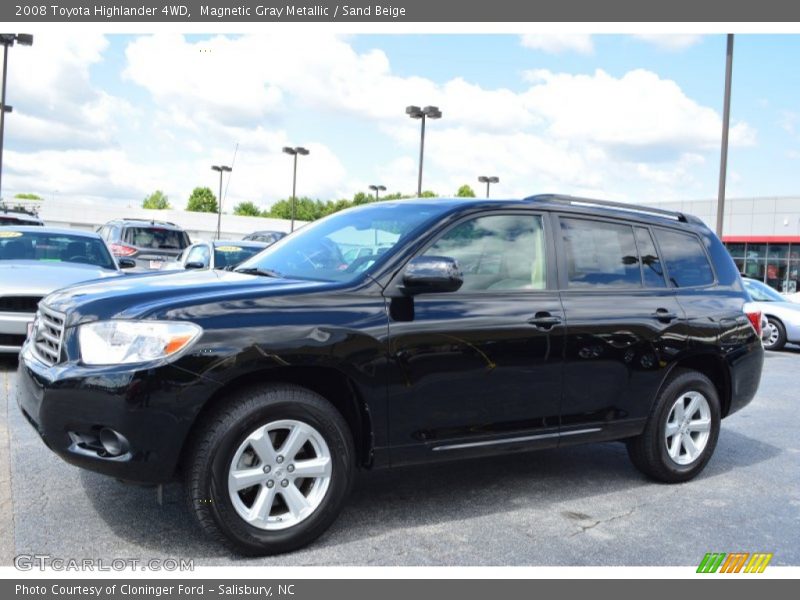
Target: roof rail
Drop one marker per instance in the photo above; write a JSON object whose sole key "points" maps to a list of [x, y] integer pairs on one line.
{"points": [[637, 208]]}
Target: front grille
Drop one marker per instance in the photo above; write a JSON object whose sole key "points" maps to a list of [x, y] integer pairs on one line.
{"points": [[10, 339], [20, 304], [48, 335]]}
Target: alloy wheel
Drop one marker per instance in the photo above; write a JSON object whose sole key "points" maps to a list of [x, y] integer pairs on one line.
{"points": [[279, 474], [688, 427]]}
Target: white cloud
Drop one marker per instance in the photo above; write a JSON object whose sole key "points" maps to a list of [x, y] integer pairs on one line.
{"points": [[670, 41], [557, 43], [638, 113], [51, 90], [632, 135]]}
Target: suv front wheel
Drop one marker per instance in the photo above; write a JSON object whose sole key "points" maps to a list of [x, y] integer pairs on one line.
{"points": [[682, 431], [270, 471]]}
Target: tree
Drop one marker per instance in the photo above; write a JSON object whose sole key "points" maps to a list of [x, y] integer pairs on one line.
{"points": [[156, 201], [247, 209], [430, 194], [202, 200], [28, 196], [465, 191]]}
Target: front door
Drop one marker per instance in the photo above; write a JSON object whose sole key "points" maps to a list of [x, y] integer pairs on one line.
{"points": [[479, 369]]}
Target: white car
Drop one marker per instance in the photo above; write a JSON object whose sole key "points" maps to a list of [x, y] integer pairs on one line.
{"points": [[35, 261], [783, 316]]}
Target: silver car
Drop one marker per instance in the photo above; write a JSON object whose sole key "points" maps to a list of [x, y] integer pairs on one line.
{"points": [[783, 317], [35, 261], [219, 254]]}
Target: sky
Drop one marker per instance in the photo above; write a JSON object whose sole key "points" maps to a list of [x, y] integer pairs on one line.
{"points": [[111, 118]]}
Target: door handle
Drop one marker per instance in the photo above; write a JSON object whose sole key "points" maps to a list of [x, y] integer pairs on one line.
{"points": [[662, 314], [544, 320]]}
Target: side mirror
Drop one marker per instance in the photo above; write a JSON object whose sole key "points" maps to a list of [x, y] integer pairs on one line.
{"points": [[126, 263], [432, 275], [195, 264]]}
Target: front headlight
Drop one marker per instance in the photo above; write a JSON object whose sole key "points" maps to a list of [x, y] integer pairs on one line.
{"points": [[123, 342]]}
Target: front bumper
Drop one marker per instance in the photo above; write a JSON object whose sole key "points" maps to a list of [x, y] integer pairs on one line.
{"points": [[13, 330], [153, 408]]}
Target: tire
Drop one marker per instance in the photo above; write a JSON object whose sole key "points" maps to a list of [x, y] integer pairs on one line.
{"points": [[777, 339], [649, 451], [233, 432]]}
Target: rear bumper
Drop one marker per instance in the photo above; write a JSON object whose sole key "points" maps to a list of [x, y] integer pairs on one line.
{"points": [[745, 368]]}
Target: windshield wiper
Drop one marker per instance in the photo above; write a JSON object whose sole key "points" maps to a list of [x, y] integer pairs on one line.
{"points": [[259, 271]]}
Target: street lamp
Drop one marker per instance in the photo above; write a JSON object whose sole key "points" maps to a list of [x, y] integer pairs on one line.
{"points": [[377, 189], [221, 169], [429, 112], [8, 39], [297, 150], [488, 181]]}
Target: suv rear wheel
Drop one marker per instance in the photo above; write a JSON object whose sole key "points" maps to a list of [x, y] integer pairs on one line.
{"points": [[682, 431], [271, 470]]}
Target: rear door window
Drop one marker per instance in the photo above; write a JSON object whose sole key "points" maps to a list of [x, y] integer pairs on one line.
{"points": [[600, 254], [652, 270], [685, 259]]}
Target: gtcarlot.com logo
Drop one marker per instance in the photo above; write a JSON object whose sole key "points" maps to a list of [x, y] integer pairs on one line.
{"points": [[736, 562]]}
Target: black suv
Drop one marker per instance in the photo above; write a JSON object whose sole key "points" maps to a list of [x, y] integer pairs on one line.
{"points": [[149, 243], [484, 327]]}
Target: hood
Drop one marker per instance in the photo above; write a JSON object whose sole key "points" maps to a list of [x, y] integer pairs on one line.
{"points": [[135, 296], [39, 278]]}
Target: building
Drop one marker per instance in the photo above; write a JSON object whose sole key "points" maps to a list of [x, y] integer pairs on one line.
{"points": [[200, 226], [762, 235]]}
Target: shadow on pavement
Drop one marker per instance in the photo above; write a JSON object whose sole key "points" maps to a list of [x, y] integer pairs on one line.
{"points": [[389, 500]]}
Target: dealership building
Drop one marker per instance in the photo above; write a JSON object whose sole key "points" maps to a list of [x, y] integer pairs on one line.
{"points": [[762, 235]]}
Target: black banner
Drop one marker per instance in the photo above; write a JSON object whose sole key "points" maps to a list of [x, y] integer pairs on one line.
{"points": [[396, 589], [475, 11]]}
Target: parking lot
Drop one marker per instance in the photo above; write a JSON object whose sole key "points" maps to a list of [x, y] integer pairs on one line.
{"points": [[577, 506]]}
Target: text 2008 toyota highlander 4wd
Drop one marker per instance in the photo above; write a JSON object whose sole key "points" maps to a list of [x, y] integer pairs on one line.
{"points": [[461, 328]]}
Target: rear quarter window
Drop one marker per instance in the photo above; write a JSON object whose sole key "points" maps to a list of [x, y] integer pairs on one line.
{"points": [[685, 259]]}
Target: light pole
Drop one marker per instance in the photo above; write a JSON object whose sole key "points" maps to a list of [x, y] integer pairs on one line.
{"points": [[297, 150], [377, 189], [726, 119], [8, 39], [221, 169], [429, 112], [488, 181]]}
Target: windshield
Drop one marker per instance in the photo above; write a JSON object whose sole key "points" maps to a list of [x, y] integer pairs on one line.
{"points": [[230, 255], [761, 292], [54, 247], [346, 244]]}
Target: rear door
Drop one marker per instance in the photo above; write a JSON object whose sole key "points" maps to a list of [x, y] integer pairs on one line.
{"points": [[479, 370], [623, 325]]}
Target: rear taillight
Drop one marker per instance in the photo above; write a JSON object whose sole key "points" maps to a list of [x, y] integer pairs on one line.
{"points": [[755, 320], [122, 250]]}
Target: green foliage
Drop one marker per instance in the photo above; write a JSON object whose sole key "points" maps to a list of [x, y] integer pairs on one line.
{"points": [[307, 209], [465, 191], [28, 196], [202, 199], [247, 209], [157, 201]]}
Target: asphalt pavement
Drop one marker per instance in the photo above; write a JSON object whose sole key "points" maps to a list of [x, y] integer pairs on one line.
{"points": [[583, 505]]}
